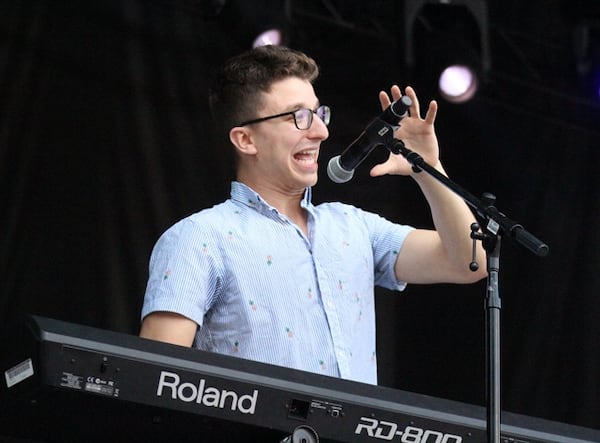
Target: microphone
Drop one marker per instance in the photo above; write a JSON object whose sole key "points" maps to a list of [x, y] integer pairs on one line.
{"points": [[380, 131]]}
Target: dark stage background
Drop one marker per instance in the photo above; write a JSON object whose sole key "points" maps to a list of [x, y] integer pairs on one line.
{"points": [[105, 141]]}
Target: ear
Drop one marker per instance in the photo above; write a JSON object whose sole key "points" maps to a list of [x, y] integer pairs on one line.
{"points": [[242, 139]]}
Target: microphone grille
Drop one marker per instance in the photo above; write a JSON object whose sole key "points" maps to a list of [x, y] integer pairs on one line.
{"points": [[336, 173]]}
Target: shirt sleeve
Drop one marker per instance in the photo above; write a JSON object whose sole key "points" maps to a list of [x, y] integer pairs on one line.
{"points": [[387, 239], [183, 272]]}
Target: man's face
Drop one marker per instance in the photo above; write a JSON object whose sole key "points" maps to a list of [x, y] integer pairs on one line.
{"points": [[286, 157]]}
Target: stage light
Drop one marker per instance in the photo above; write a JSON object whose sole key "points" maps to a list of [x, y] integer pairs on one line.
{"points": [[458, 83], [583, 17], [446, 46], [256, 23], [269, 37], [586, 49]]}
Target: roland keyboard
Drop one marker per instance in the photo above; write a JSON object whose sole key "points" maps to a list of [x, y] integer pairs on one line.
{"points": [[68, 382]]}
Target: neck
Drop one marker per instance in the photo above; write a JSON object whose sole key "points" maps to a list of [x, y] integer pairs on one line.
{"points": [[286, 202]]}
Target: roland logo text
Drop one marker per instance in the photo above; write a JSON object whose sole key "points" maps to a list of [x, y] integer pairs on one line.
{"points": [[170, 385]]}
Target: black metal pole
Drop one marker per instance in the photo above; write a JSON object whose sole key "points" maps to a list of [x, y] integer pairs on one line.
{"points": [[495, 225], [493, 306]]}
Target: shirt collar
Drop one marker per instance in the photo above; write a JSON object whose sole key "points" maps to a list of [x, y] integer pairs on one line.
{"points": [[245, 195]]}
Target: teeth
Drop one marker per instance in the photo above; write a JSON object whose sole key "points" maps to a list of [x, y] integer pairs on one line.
{"points": [[308, 156]]}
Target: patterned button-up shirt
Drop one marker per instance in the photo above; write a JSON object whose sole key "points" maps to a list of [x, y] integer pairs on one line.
{"points": [[260, 289]]}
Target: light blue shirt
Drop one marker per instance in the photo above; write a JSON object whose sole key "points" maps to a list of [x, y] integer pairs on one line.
{"points": [[260, 289]]}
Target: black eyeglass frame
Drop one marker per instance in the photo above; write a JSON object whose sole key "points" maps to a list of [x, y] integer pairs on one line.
{"points": [[325, 111]]}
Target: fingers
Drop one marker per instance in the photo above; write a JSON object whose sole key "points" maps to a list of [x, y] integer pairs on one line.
{"points": [[384, 98], [415, 109], [431, 112]]}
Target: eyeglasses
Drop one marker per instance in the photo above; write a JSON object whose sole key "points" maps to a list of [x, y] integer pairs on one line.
{"points": [[303, 117]]}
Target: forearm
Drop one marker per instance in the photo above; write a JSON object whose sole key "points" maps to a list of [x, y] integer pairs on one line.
{"points": [[452, 219], [169, 327]]}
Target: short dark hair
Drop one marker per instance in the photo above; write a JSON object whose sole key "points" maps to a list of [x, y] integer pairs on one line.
{"points": [[238, 86]]}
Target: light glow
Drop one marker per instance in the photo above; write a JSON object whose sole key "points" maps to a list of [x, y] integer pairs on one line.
{"points": [[458, 83], [268, 37]]}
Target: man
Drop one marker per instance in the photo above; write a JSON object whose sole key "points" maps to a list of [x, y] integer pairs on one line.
{"points": [[268, 276]]}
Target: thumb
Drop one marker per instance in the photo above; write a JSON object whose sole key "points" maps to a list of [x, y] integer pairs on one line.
{"points": [[378, 170]]}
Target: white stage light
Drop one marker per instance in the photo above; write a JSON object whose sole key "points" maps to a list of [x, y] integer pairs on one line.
{"points": [[268, 37], [458, 83]]}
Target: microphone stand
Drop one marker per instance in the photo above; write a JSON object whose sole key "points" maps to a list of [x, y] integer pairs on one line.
{"points": [[495, 226]]}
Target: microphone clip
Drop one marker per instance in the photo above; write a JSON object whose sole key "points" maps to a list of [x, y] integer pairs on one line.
{"points": [[397, 146]]}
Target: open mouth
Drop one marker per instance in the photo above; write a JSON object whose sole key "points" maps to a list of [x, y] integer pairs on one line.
{"points": [[307, 157]]}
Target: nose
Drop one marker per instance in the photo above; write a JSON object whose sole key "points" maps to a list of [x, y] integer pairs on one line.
{"points": [[318, 129]]}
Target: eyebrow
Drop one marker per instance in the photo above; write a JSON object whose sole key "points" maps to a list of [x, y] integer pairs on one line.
{"points": [[297, 106]]}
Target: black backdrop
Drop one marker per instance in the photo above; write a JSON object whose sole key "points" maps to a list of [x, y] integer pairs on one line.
{"points": [[105, 141]]}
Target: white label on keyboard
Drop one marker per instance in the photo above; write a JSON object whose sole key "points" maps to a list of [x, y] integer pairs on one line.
{"points": [[18, 373]]}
